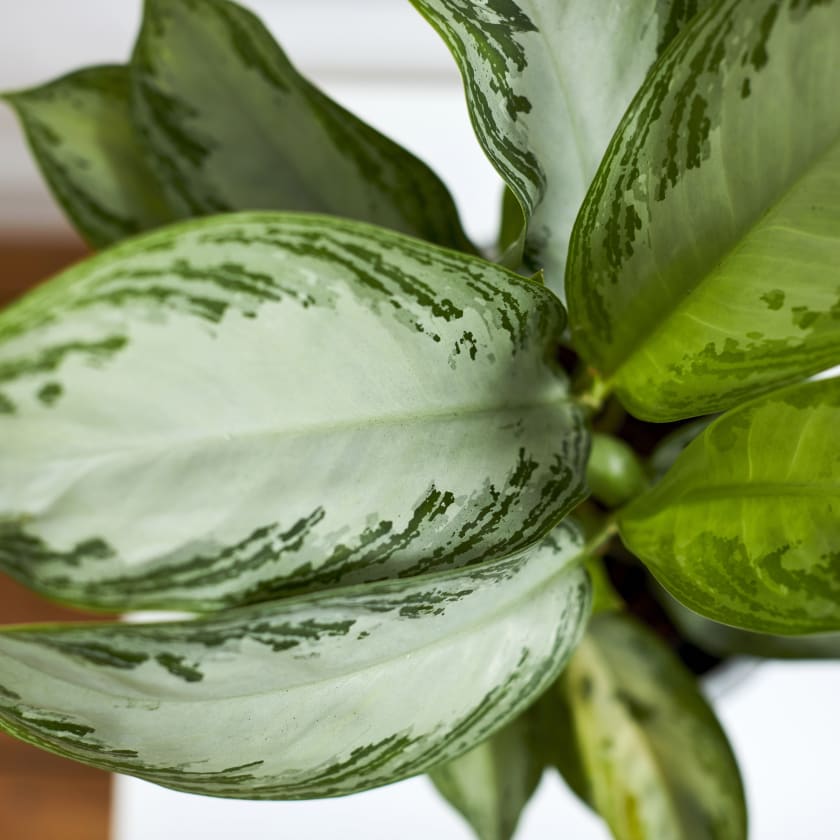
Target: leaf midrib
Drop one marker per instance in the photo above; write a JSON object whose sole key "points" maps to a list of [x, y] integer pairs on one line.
{"points": [[757, 490], [468, 413]]}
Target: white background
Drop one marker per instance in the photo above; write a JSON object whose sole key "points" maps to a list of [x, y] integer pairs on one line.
{"points": [[380, 59]]}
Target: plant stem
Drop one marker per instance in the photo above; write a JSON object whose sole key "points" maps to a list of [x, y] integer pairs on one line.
{"points": [[591, 391], [598, 542]]}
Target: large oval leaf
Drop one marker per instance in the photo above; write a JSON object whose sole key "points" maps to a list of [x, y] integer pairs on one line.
{"points": [[744, 528], [704, 264], [80, 130], [231, 125], [237, 408], [644, 748], [491, 784], [321, 695], [547, 82]]}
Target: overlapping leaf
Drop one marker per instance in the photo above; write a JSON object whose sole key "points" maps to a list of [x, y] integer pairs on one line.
{"points": [[315, 696], [231, 125], [640, 743], [247, 406], [492, 783], [704, 264], [81, 133], [744, 528], [547, 82]]}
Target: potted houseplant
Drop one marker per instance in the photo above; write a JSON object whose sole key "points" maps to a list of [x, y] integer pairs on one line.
{"points": [[310, 412]]}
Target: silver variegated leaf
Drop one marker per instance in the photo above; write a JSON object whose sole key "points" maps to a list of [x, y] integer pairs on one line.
{"points": [[744, 527], [704, 264], [231, 125], [547, 82], [243, 407], [81, 134], [320, 695]]}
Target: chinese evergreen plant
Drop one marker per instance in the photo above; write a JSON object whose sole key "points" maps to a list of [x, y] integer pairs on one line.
{"points": [[312, 414]]}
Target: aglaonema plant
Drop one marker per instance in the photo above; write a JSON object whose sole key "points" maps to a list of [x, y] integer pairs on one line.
{"points": [[304, 409]]}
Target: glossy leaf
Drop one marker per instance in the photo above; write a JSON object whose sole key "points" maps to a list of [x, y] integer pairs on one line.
{"points": [[547, 82], [744, 527], [231, 125], [703, 266], [641, 744], [492, 783], [80, 131], [243, 407], [320, 695]]}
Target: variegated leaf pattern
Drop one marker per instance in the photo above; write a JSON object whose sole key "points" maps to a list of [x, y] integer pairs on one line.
{"points": [[238, 408], [80, 131], [320, 695], [491, 784], [744, 528], [704, 264], [640, 743], [547, 82], [231, 125]]}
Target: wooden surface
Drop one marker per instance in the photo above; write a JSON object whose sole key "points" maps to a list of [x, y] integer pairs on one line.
{"points": [[24, 262], [42, 796]]}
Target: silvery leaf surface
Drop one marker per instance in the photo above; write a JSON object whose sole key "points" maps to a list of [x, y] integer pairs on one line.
{"points": [[314, 696], [547, 83], [244, 407]]}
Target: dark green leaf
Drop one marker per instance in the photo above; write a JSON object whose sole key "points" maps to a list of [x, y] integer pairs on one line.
{"points": [[79, 129], [233, 126], [491, 784]]}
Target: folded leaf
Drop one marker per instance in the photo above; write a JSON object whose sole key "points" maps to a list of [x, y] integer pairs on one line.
{"points": [[80, 131], [744, 527], [704, 264], [492, 783], [547, 82], [231, 125], [643, 746], [242, 407], [321, 695]]}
